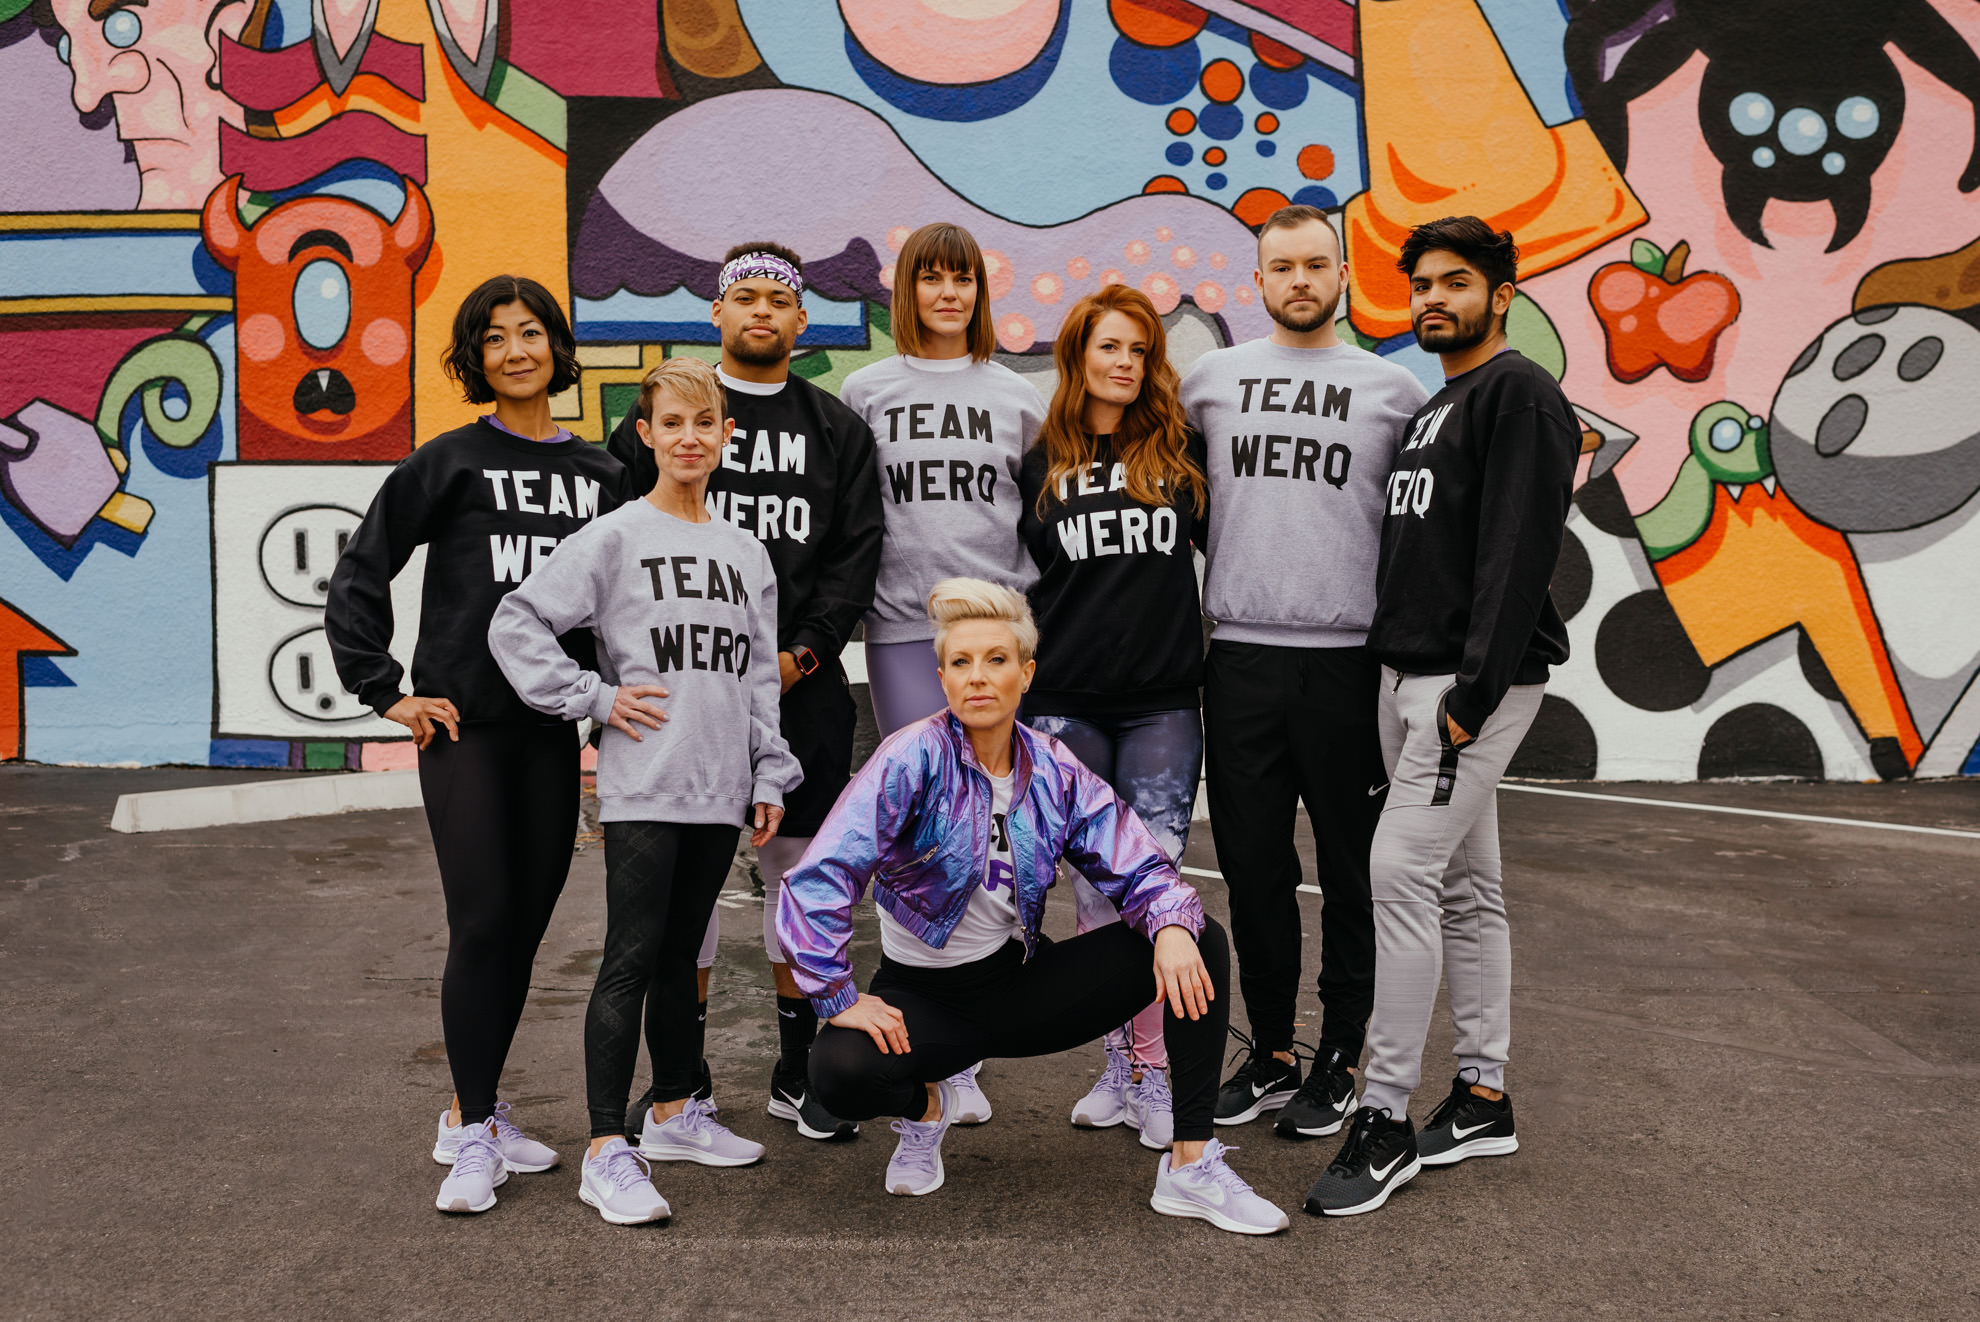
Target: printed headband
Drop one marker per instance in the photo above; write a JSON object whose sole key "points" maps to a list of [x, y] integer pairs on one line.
{"points": [[759, 265]]}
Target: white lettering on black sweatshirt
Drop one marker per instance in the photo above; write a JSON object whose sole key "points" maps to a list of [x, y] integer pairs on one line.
{"points": [[799, 475], [1471, 532], [1299, 444], [1120, 630], [490, 507], [949, 436], [691, 607]]}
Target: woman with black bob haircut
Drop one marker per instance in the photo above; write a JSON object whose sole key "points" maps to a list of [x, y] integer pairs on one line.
{"points": [[489, 502]]}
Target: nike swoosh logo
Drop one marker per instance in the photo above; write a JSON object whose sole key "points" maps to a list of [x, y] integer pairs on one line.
{"points": [[1259, 1089], [788, 1014], [1467, 1133], [796, 1102], [1383, 1174], [1212, 1194], [1378, 789]]}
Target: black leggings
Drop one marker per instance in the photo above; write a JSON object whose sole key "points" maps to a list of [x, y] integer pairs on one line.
{"points": [[1003, 1006], [661, 880], [502, 804]]}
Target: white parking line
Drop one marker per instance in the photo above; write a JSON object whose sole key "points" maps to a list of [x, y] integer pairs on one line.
{"points": [[1743, 812]]}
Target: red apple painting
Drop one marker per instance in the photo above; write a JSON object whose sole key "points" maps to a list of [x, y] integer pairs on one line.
{"points": [[1654, 315]]}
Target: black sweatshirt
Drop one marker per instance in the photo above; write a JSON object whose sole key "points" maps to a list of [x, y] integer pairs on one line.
{"points": [[1470, 534], [489, 507], [798, 475], [1120, 628]]}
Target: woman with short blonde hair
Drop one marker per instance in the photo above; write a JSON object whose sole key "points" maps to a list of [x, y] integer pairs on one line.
{"points": [[958, 823]]}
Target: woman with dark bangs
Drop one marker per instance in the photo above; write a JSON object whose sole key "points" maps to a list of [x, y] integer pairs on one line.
{"points": [[489, 502], [950, 428], [1114, 499]]}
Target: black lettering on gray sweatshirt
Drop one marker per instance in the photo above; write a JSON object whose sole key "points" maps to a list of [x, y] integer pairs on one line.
{"points": [[1299, 446]]}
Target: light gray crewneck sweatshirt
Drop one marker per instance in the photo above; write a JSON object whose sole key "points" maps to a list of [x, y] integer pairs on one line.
{"points": [[688, 606], [949, 436], [1300, 444]]}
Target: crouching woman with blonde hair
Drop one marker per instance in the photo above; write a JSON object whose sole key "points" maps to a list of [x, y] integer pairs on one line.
{"points": [[958, 822]]}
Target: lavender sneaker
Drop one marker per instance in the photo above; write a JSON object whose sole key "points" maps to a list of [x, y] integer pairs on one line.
{"points": [[1150, 1109], [972, 1107], [520, 1153], [695, 1135], [916, 1166], [618, 1182], [478, 1168], [1106, 1105], [1211, 1191]]}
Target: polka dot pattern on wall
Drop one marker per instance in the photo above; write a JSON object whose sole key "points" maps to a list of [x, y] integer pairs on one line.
{"points": [[1256, 204], [1182, 120], [1220, 121], [1015, 332], [1222, 81], [1165, 183], [1157, 22]]}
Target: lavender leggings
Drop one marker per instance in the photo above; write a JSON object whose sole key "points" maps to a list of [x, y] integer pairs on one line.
{"points": [[1153, 760]]}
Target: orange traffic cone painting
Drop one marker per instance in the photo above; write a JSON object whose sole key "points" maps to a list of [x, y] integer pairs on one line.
{"points": [[1450, 131]]}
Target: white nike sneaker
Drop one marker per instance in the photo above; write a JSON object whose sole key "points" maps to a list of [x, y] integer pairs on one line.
{"points": [[618, 1182], [972, 1107], [520, 1153], [1211, 1191], [478, 1169], [695, 1135]]}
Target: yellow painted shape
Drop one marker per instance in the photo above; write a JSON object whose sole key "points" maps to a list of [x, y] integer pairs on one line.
{"points": [[127, 511], [1762, 567], [35, 307], [587, 397], [1450, 132], [117, 221]]}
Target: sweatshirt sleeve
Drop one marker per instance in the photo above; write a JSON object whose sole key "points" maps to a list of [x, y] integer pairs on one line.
{"points": [[849, 558], [1199, 450], [775, 769], [625, 446], [1522, 508], [357, 618], [1114, 851], [1032, 530], [814, 910], [560, 595]]}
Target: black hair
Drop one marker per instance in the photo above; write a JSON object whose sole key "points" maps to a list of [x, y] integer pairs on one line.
{"points": [[1491, 252], [463, 360], [777, 250]]}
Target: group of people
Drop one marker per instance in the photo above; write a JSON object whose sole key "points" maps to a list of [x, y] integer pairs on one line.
{"points": [[1376, 568]]}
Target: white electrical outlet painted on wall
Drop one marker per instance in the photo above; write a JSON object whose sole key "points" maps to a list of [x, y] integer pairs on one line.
{"points": [[278, 529]]}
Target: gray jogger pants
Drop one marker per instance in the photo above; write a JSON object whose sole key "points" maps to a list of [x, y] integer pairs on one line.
{"points": [[1434, 877]]}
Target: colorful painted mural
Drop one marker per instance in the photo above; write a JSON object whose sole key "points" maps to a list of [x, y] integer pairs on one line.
{"points": [[233, 231]]}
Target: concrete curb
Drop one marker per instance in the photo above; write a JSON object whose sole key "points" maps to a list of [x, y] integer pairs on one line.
{"points": [[265, 801]]}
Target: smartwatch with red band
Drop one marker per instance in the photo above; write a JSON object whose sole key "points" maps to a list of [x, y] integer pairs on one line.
{"points": [[805, 658]]}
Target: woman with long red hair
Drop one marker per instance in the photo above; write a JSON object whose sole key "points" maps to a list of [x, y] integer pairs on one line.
{"points": [[1114, 497]]}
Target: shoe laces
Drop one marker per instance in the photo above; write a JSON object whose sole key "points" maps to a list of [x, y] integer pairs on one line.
{"points": [[624, 1167], [1212, 1166], [1118, 1074], [1460, 1093], [1153, 1091], [919, 1139], [1353, 1156], [477, 1152], [1254, 1062], [505, 1128], [698, 1116], [1321, 1066], [965, 1078]]}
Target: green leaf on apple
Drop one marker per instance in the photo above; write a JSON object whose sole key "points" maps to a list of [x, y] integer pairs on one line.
{"points": [[1646, 256]]}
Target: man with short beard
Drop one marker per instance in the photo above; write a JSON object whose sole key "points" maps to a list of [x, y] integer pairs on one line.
{"points": [[798, 472], [1301, 431], [1465, 630]]}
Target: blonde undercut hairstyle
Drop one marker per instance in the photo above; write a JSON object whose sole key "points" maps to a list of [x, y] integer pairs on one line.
{"points": [[954, 600], [692, 381]]}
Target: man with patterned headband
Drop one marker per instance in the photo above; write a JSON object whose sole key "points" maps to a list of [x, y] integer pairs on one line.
{"points": [[799, 473]]}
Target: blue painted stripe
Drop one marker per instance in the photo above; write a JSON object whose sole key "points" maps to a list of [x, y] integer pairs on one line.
{"points": [[99, 263]]}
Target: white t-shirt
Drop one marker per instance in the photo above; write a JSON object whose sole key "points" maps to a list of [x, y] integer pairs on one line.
{"points": [[992, 916]]}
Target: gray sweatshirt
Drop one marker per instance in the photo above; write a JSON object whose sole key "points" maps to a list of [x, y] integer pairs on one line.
{"points": [[1300, 443], [688, 606], [949, 436]]}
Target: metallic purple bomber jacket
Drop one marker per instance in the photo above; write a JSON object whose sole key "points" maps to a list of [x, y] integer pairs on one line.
{"points": [[916, 822]]}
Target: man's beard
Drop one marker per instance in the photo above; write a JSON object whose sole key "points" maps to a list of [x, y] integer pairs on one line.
{"points": [[1456, 334], [1303, 322], [764, 353]]}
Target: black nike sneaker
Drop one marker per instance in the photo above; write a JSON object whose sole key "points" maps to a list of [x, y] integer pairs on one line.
{"points": [[1467, 1125], [1379, 1155], [791, 1099], [636, 1113], [1262, 1083], [1323, 1103]]}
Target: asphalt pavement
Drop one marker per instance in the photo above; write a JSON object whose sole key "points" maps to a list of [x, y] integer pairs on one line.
{"points": [[1742, 1046]]}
